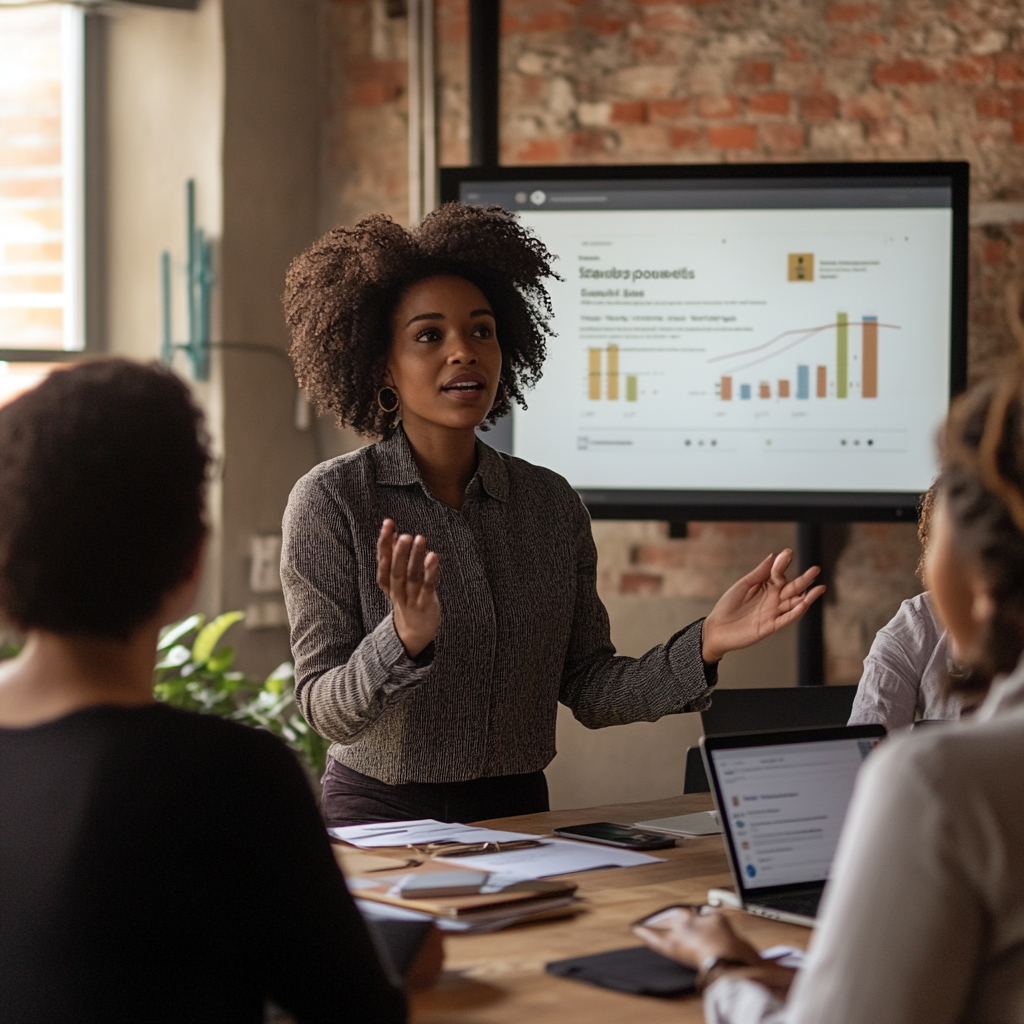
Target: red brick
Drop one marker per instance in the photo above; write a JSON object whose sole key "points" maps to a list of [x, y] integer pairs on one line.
{"points": [[646, 48], [993, 103], [995, 251], [718, 106], [540, 151], [551, 21], [639, 583], [603, 25], [887, 133], [685, 138], [629, 113], [672, 555], [769, 103], [904, 72], [852, 12], [819, 106], [794, 51], [670, 21], [969, 70], [783, 137], [735, 136], [668, 110], [868, 106], [754, 72], [589, 143], [1010, 67]]}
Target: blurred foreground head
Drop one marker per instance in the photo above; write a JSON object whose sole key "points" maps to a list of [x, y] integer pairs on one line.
{"points": [[102, 487], [981, 494]]}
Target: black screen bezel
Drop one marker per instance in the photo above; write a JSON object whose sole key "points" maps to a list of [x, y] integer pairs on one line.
{"points": [[763, 505]]}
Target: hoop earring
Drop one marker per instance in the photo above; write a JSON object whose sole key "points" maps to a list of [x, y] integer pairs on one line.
{"points": [[383, 407]]}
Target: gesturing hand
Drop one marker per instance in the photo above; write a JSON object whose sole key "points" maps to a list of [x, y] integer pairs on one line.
{"points": [[758, 605], [407, 572]]}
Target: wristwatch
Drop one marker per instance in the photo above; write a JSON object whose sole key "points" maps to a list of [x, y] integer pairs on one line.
{"points": [[709, 965]]}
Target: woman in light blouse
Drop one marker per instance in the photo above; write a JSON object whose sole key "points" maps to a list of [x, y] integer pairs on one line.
{"points": [[442, 596], [923, 917]]}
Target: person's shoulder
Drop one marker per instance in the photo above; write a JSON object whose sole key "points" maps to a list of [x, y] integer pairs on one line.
{"points": [[531, 480], [958, 757], [212, 733], [329, 482], [914, 627]]}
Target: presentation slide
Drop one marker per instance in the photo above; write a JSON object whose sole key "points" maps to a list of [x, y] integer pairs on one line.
{"points": [[743, 349], [786, 806]]}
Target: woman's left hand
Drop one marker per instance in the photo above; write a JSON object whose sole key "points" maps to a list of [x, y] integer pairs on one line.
{"points": [[756, 606]]}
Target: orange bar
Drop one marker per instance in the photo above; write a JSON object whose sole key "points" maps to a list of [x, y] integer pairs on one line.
{"points": [[613, 373], [822, 382], [869, 385], [727, 389], [764, 390], [594, 375], [783, 389]]}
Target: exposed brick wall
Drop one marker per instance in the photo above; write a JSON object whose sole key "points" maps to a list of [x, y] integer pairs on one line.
{"points": [[704, 81], [31, 239]]}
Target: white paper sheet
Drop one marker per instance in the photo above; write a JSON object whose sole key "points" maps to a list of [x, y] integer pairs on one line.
{"points": [[424, 830], [557, 857]]}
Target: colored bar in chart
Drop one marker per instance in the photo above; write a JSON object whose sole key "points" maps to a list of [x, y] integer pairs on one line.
{"points": [[744, 391], [613, 373], [631, 388], [842, 353], [594, 375], [869, 357], [764, 390], [803, 382], [822, 382], [726, 389], [783, 389]]}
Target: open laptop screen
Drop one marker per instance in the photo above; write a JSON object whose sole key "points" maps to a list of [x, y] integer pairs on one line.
{"points": [[785, 805]]}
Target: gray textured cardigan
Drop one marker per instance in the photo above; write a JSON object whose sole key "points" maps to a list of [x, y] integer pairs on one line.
{"points": [[522, 626]]}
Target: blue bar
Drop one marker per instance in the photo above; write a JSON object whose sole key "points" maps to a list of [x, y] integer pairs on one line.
{"points": [[744, 391], [803, 382]]}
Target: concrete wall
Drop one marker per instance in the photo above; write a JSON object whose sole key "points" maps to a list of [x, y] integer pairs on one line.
{"points": [[229, 95]]}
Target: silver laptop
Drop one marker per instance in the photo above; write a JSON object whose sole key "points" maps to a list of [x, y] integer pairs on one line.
{"points": [[782, 799]]}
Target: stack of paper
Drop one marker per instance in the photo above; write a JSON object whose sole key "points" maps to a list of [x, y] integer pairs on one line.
{"points": [[381, 834]]}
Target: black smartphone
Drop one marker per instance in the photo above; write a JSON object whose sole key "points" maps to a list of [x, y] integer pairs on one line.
{"points": [[617, 835]]}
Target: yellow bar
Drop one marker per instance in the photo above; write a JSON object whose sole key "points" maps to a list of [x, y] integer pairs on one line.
{"points": [[594, 375], [613, 373], [631, 388]]}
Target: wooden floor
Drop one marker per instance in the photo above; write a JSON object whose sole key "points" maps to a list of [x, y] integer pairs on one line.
{"points": [[500, 979]]}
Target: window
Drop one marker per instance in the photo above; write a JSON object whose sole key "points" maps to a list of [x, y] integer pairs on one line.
{"points": [[41, 182]]}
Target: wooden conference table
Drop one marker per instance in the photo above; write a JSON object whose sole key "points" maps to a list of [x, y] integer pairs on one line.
{"points": [[500, 979]]}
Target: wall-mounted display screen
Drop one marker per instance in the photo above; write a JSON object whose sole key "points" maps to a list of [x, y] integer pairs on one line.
{"points": [[759, 338]]}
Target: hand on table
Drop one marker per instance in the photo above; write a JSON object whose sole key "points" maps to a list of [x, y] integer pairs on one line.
{"points": [[692, 937], [407, 572], [758, 605]]}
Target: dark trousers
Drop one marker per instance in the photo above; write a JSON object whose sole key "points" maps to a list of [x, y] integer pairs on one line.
{"points": [[350, 798]]}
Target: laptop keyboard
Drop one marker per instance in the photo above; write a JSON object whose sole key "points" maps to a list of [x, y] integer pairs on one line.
{"points": [[803, 903]]}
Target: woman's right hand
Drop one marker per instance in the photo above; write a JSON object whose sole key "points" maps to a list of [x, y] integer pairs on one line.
{"points": [[407, 572]]}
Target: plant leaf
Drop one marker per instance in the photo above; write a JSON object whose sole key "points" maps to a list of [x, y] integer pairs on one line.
{"points": [[177, 630], [174, 657], [211, 633], [221, 660]]}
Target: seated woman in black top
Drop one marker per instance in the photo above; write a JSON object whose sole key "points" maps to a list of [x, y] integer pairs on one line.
{"points": [[155, 865]]}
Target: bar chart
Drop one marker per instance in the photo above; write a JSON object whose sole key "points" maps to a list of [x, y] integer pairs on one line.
{"points": [[604, 376], [845, 373]]}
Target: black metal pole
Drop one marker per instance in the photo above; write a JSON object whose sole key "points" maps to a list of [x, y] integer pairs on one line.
{"points": [[484, 81], [811, 637]]}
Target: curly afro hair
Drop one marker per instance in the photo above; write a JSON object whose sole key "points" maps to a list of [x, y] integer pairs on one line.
{"points": [[102, 489], [341, 293]]}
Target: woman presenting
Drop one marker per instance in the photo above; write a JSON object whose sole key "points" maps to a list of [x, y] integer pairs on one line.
{"points": [[442, 596]]}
